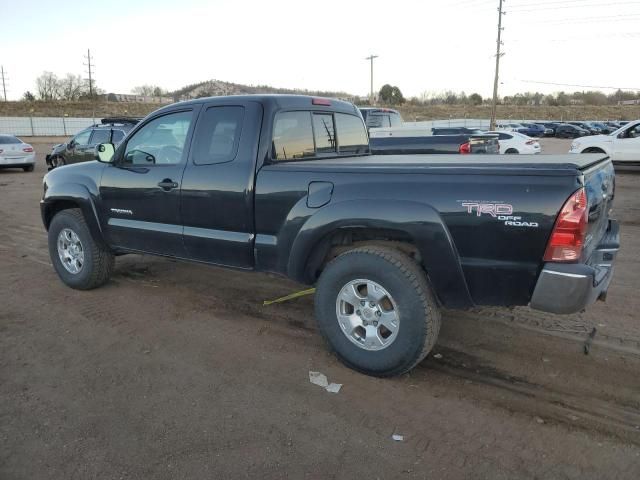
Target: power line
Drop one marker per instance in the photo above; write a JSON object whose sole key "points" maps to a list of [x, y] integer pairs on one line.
{"points": [[562, 7], [494, 103], [564, 2]]}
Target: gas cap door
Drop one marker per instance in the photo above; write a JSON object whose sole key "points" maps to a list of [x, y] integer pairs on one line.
{"points": [[319, 194]]}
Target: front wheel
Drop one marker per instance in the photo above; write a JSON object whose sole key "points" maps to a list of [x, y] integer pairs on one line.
{"points": [[375, 308], [80, 261]]}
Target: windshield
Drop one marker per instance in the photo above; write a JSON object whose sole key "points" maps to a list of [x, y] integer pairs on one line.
{"points": [[622, 128]]}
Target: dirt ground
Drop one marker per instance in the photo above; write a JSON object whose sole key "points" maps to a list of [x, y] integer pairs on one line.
{"points": [[176, 370]]}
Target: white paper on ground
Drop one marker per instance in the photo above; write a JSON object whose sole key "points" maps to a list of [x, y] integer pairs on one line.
{"points": [[320, 379]]}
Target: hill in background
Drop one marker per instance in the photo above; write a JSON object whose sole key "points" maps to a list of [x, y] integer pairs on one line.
{"points": [[214, 88]]}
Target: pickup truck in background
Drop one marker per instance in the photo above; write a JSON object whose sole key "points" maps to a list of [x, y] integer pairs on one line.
{"points": [[388, 135], [287, 184], [622, 146]]}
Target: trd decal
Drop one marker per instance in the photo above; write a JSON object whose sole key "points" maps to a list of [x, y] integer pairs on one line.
{"points": [[493, 209], [500, 211]]}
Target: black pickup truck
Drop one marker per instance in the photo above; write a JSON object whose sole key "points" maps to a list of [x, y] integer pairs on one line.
{"points": [[287, 184], [389, 135]]}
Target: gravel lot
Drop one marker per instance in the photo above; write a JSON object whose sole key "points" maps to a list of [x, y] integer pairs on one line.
{"points": [[176, 370]]}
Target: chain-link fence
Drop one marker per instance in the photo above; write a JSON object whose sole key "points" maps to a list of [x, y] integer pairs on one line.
{"points": [[44, 126]]}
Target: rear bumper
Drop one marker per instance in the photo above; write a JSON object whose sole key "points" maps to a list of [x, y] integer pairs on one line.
{"points": [[18, 162], [570, 288]]}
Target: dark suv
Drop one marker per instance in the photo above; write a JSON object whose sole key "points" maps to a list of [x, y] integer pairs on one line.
{"points": [[566, 130], [82, 147]]}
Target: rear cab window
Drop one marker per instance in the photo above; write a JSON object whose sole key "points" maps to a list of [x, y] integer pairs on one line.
{"points": [[309, 134]]}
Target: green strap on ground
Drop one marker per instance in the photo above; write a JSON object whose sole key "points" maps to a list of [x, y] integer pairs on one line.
{"points": [[291, 296]]}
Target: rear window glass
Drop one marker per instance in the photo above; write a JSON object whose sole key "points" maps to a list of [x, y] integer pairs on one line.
{"points": [[218, 135], [352, 136], [8, 139], [292, 136], [324, 132], [395, 120], [378, 121]]}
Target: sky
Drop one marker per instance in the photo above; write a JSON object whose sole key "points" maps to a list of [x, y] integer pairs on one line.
{"points": [[422, 45]]}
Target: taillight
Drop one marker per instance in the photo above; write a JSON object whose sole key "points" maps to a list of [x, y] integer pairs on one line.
{"points": [[465, 148], [27, 149], [569, 231], [530, 142]]}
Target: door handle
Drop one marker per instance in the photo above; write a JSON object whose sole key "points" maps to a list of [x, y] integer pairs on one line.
{"points": [[167, 184]]}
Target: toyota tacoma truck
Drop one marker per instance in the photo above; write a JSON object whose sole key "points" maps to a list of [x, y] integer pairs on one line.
{"points": [[622, 146], [287, 184]]}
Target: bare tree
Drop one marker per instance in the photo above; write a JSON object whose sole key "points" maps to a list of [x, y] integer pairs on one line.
{"points": [[48, 86], [72, 87], [148, 91]]}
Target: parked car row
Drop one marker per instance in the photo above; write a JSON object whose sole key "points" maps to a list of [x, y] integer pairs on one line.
{"points": [[569, 129]]}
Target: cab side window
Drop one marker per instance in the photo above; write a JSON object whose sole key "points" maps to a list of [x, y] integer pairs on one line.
{"points": [[217, 135], [159, 142]]}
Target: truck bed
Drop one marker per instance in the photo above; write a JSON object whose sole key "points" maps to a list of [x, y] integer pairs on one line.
{"points": [[479, 164]]}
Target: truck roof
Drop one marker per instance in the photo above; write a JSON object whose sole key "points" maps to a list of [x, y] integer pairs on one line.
{"points": [[275, 101]]}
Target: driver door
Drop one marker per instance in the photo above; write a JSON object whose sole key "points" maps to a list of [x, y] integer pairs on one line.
{"points": [[627, 149], [140, 190]]}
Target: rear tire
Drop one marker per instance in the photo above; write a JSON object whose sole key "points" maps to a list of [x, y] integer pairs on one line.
{"points": [[512, 151], [395, 287], [80, 261]]}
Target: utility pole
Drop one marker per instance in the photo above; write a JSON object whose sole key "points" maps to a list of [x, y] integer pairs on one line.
{"points": [[371, 57], [89, 65], [4, 85], [494, 103]]}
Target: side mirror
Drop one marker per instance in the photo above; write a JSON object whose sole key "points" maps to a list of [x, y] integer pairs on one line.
{"points": [[105, 152], [71, 144]]}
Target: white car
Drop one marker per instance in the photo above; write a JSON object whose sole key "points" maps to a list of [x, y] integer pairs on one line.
{"points": [[14, 153], [517, 143], [622, 146]]}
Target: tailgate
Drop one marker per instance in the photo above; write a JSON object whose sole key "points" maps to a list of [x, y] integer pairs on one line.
{"points": [[599, 182]]}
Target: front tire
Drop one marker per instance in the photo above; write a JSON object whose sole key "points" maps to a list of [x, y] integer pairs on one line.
{"points": [[80, 261], [375, 308]]}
